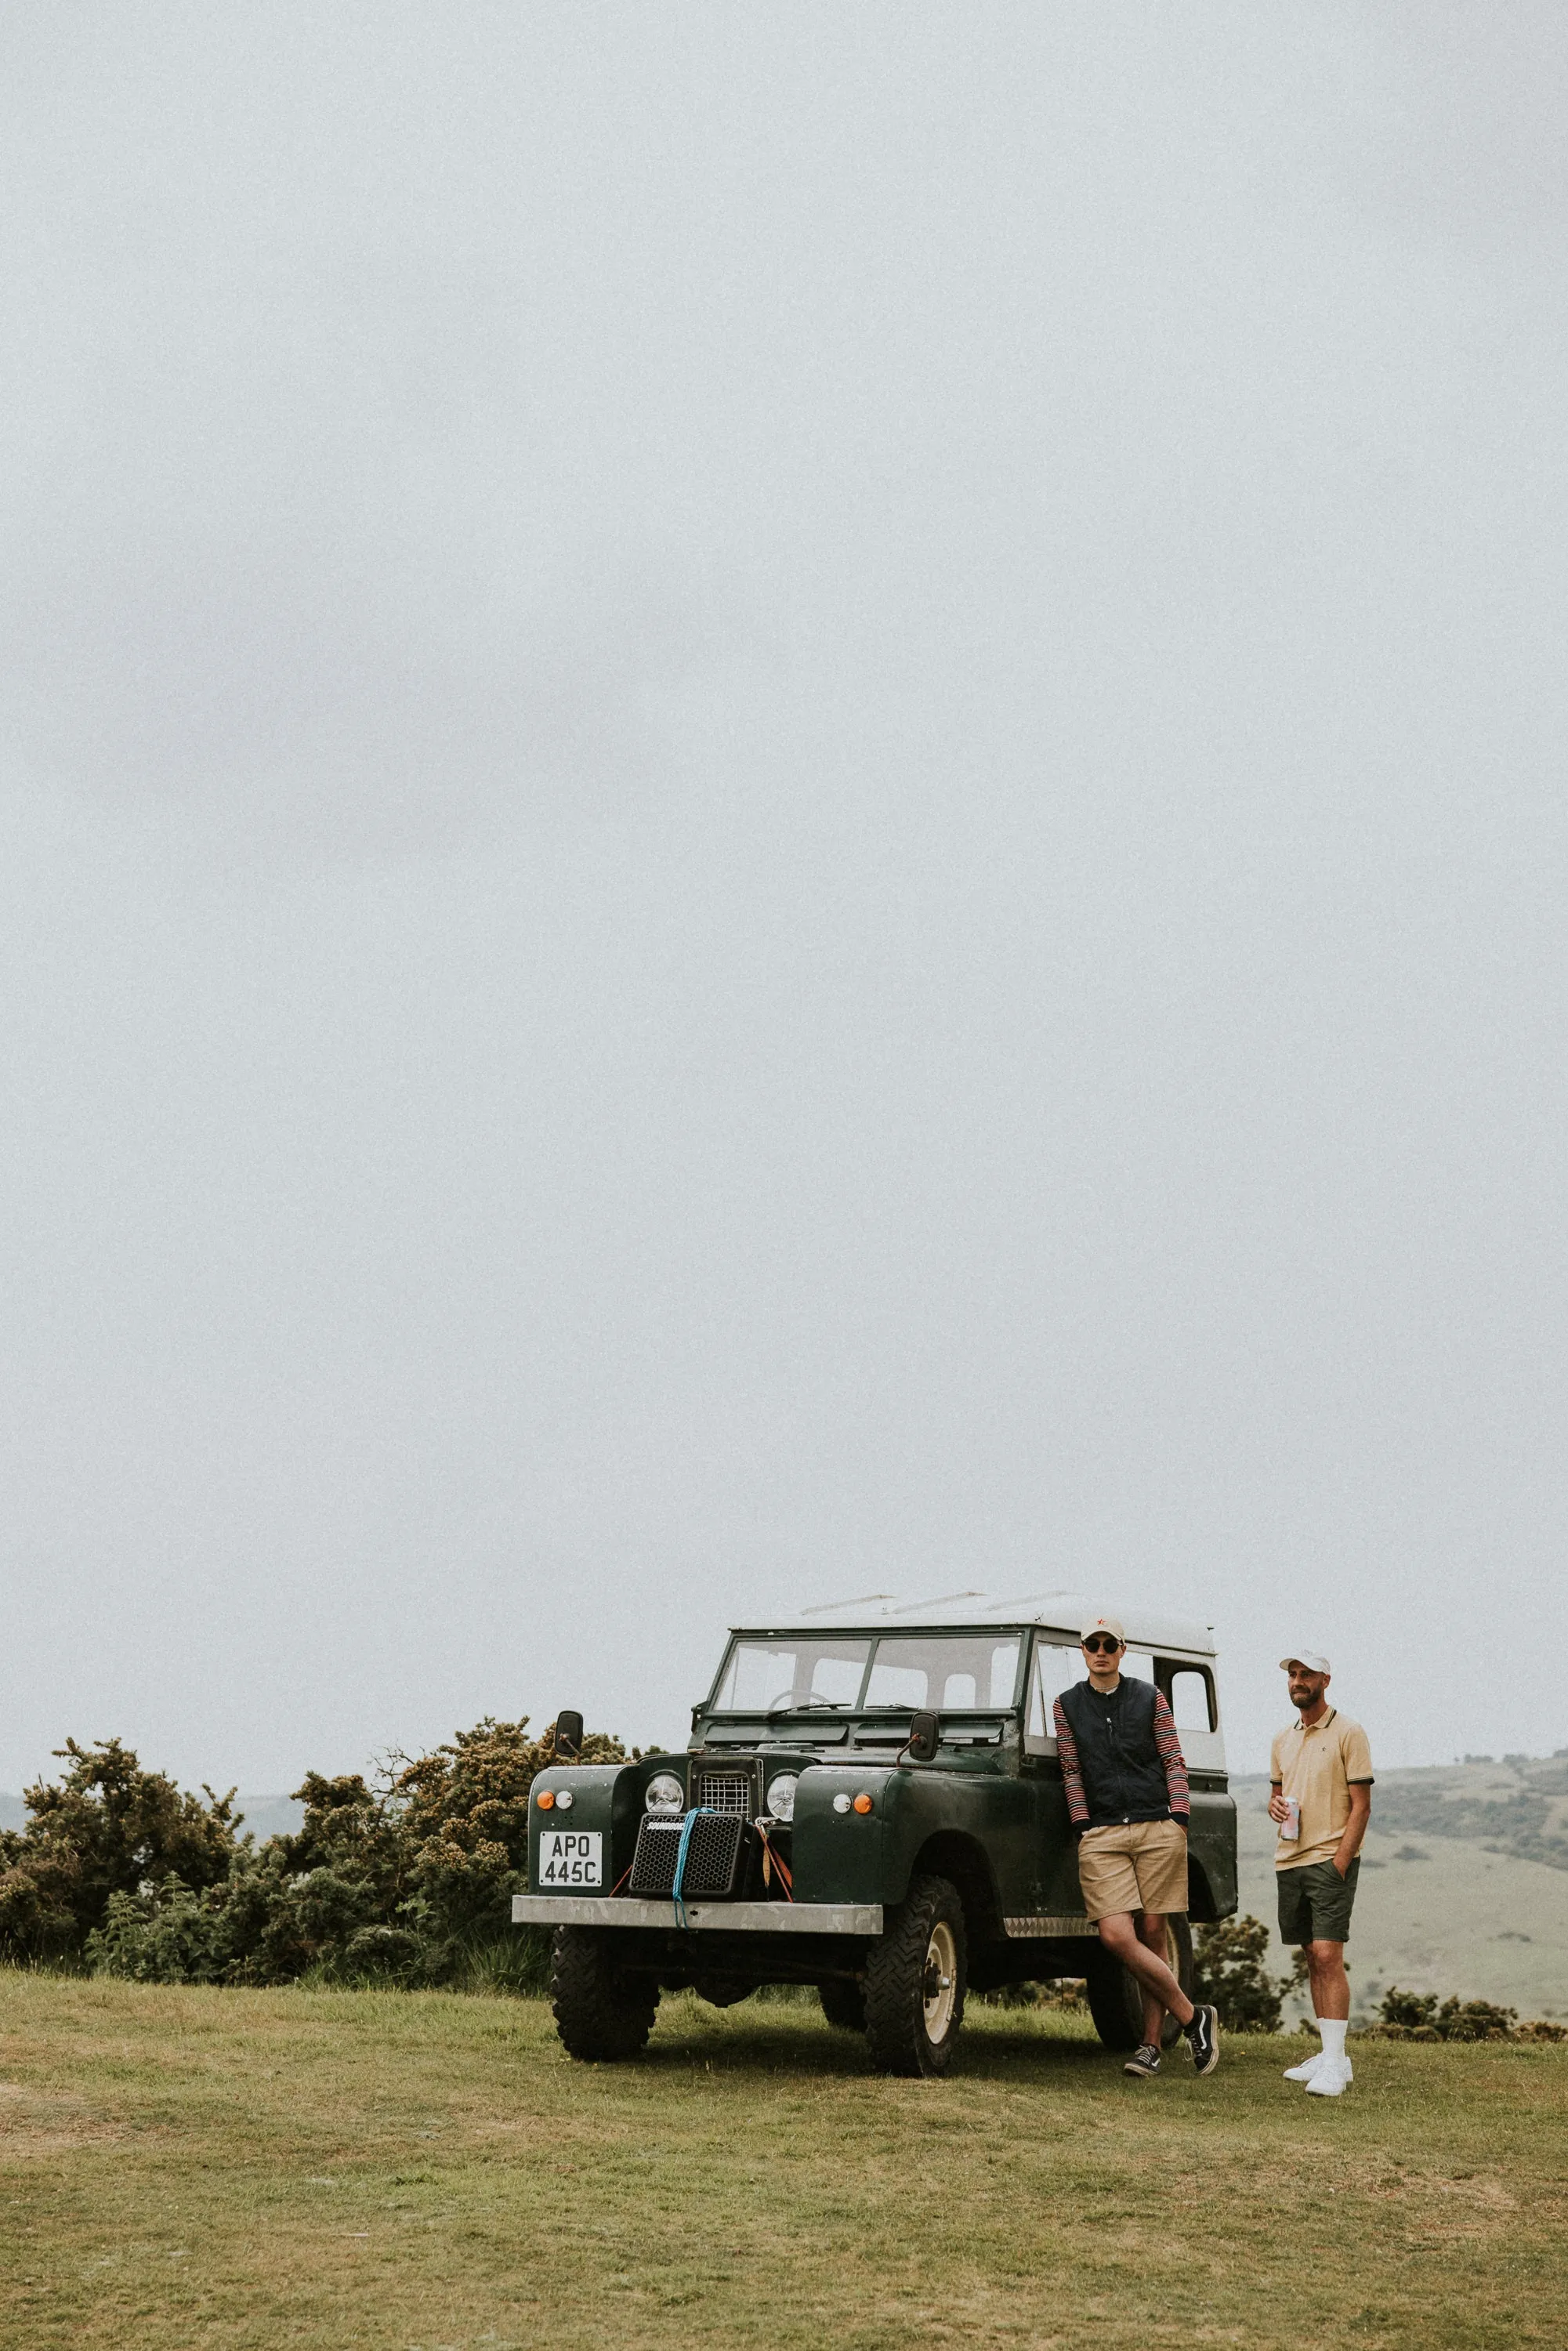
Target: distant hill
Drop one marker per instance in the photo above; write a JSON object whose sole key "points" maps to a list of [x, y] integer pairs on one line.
{"points": [[1464, 1883], [1518, 1807], [264, 1816]]}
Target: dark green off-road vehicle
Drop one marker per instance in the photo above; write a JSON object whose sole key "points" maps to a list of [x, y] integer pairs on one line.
{"points": [[875, 1809]]}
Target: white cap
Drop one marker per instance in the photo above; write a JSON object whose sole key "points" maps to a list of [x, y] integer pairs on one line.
{"points": [[1112, 1625], [1313, 1660]]}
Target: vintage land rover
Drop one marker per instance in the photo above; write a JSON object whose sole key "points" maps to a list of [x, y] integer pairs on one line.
{"points": [[874, 1807]]}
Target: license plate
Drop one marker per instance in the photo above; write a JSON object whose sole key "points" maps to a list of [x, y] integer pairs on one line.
{"points": [[570, 1857]]}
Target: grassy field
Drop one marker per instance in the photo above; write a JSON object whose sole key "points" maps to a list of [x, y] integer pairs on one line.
{"points": [[330, 2168]]}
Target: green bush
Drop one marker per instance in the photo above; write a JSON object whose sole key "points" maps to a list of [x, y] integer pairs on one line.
{"points": [[461, 1818], [407, 1877], [162, 1934], [1230, 1972], [1476, 2019], [1417, 2016], [1409, 2009], [107, 1828]]}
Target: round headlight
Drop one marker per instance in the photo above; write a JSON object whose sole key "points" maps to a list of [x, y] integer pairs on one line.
{"points": [[781, 1795], [563, 1800], [663, 1793]]}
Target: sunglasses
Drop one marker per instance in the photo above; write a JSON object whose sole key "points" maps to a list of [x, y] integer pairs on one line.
{"points": [[1101, 1645]]}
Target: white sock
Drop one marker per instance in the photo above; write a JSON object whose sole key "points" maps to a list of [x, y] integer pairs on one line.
{"points": [[1333, 2029]]}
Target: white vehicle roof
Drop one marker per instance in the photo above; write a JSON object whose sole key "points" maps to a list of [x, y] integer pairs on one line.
{"points": [[1061, 1613]]}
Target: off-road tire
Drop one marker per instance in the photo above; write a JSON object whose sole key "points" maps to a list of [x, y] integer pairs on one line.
{"points": [[603, 2014], [843, 2004], [1116, 1996], [900, 1987]]}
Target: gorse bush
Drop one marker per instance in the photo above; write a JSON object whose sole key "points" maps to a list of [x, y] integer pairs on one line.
{"points": [[166, 1934], [1230, 1972], [462, 1817], [1421, 2016], [407, 1876], [105, 1829]]}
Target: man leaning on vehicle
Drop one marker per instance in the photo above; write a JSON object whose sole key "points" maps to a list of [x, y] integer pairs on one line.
{"points": [[1127, 1796], [1320, 1799]]}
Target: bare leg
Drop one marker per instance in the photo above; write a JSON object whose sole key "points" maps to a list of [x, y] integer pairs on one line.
{"points": [[1150, 1928], [1122, 1937], [1330, 1984]]}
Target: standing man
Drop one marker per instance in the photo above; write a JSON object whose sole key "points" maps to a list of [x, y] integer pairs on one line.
{"points": [[1321, 1801], [1127, 1795]]}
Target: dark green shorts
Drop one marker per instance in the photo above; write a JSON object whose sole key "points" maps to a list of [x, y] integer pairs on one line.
{"points": [[1316, 1902]]}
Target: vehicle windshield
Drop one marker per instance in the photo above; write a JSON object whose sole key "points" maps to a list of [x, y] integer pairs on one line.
{"points": [[944, 1670], [764, 1676]]}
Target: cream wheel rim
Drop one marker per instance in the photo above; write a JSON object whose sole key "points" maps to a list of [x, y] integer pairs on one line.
{"points": [[940, 1988]]}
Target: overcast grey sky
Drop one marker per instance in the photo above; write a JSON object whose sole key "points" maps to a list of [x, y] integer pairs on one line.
{"points": [[782, 814]]}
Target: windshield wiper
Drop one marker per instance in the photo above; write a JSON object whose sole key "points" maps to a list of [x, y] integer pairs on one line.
{"points": [[807, 1705]]}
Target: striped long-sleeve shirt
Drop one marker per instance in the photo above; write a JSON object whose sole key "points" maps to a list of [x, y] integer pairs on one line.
{"points": [[1167, 1747]]}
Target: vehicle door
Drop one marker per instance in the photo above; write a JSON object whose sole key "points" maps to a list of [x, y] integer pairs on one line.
{"points": [[1053, 1665], [1194, 1702]]}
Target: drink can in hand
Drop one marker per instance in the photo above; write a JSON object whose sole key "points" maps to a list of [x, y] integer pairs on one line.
{"points": [[1290, 1826]]}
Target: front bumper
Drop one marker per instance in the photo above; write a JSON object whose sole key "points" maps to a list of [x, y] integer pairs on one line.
{"points": [[743, 1917]]}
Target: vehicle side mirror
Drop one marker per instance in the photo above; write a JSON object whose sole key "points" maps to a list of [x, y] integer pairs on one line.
{"points": [[568, 1736], [924, 1735]]}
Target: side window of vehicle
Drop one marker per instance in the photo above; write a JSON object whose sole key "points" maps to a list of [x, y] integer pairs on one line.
{"points": [[1054, 1669], [1191, 1699]]}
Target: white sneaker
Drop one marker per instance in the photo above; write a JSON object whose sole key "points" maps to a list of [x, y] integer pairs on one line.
{"points": [[1307, 2068], [1334, 2075]]}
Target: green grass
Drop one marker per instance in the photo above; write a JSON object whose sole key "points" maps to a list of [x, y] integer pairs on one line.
{"points": [[318, 2168]]}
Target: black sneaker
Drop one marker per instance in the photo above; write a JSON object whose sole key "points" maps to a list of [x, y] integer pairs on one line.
{"points": [[1203, 2038], [1144, 2062]]}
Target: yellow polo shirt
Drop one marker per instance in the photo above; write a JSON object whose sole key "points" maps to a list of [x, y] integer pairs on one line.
{"points": [[1319, 1766]]}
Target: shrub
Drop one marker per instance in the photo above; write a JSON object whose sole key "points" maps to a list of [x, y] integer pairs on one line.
{"points": [[462, 1825], [107, 1828], [1408, 2009], [1068, 1994], [1475, 2020], [406, 1877], [379, 1950], [1416, 2016], [1230, 1972], [166, 1933]]}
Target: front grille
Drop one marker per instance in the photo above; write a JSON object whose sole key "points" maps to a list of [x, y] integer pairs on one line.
{"points": [[725, 1791], [712, 1854]]}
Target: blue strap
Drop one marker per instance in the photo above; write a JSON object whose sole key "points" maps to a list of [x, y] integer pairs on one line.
{"points": [[675, 1890]]}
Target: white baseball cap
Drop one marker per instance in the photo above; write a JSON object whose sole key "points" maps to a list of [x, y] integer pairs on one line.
{"points": [[1313, 1660], [1112, 1625]]}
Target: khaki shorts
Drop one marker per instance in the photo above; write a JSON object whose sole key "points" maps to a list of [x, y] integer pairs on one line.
{"points": [[1133, 1865]]}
